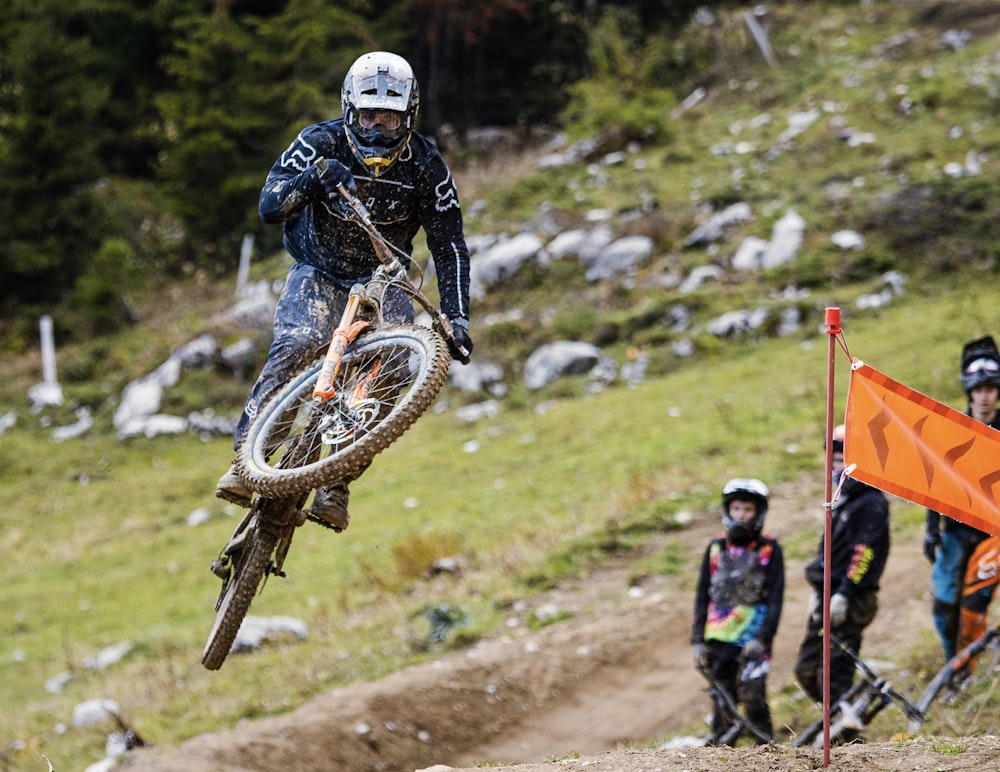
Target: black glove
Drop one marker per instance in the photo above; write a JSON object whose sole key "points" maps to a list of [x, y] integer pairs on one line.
{"points": [[462, 341], [334, 173], [931, 543], [699, 655]]}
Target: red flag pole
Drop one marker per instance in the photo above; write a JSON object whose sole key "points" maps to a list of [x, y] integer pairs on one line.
{"points": [[832, 329]]}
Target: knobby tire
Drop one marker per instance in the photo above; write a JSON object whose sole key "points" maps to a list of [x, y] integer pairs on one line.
{"points": [[249, 570], [404, 367]]}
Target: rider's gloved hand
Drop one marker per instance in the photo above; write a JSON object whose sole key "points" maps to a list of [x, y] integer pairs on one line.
{"points": [[699, 655], [815, 607], [753, 649], [334, 173], [460, 328], [838, 609], [931, 543]]}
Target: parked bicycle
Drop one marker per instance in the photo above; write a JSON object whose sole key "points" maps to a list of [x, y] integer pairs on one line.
{"points": [[953, 676], [327, 424], [738, 725], [857, 708]]}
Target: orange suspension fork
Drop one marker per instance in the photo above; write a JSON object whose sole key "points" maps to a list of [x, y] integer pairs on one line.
{"points": [[346, 331]]}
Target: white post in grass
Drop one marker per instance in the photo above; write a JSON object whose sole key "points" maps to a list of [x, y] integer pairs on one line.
{"points": [[244, 270], [48, 392]]}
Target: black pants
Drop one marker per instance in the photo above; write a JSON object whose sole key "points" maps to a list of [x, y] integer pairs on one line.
{"points": [[746, 682], [809, 667]]}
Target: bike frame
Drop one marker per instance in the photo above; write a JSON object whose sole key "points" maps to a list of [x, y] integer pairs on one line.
{"points": [[946, 675], [391, 271]]}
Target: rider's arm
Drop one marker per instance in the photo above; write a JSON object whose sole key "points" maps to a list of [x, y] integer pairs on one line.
{"points": [[701, 599], [294, 180], [774, 581], [869, 546], [441, 219]]}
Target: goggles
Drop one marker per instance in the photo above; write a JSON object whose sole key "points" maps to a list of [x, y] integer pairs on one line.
{"points": [[390, 120], [982, 364]]}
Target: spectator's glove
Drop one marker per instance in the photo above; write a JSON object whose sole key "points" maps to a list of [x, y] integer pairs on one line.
{"points": [[931, 543], [333, 173], [815, 608], [699, 655], [754, 649], [838, 609], [461, 346]]}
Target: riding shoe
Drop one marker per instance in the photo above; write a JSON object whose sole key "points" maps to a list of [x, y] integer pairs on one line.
{"points": [[330, 505], [231, 488]]}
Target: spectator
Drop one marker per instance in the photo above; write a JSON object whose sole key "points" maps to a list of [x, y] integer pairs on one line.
{"points": [[859, 548], [738, 605], [961, 591]]}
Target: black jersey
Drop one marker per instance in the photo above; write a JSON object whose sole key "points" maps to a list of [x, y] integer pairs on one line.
{"points": [[417, 191]]}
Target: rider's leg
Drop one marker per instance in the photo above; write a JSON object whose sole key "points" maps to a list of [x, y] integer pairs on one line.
{"points": [[308, 309], [809, 664], [330, 501], [978, 587], [946, 579], [723, 665], [860, 613], [752, 694]]}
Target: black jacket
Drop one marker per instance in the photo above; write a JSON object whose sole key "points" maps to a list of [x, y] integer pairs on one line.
{"points": [[859, 544]]}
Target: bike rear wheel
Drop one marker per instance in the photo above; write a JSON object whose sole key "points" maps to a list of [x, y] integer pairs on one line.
{"points": [[388, 378], [249, 569]]}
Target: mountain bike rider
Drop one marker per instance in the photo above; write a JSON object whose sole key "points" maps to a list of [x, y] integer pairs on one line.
{"points": [[738, 605], [400, 176], [964, 576]]}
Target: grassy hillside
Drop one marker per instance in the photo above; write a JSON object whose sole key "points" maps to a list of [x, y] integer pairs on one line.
{"points": [[96, 545]]}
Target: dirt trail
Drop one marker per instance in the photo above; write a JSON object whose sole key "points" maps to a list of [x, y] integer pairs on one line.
{"points": [[614, 676]]}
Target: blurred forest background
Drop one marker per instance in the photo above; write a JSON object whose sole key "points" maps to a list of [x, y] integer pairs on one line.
{"points": [[135, 134]]}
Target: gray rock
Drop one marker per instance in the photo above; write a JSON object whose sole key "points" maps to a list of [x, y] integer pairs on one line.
{"points": [[563, 357], [620, 257]]}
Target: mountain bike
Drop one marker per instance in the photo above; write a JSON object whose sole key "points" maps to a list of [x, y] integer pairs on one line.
{"points": [[327, 424], [857, 708], [738, 724], [952, 677]]}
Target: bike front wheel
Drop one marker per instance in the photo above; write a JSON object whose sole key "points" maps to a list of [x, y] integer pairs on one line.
{"points": [[387, 379]]}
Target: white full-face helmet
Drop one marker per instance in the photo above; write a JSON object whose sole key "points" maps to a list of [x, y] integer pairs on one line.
{"points": [[744, 489], [380, 99]]}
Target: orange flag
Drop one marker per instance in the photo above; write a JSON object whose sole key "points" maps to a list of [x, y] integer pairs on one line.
{"points": [[909, 445]]}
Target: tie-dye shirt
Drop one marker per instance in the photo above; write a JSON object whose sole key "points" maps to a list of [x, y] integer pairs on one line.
{"points": [[740, 592]]}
